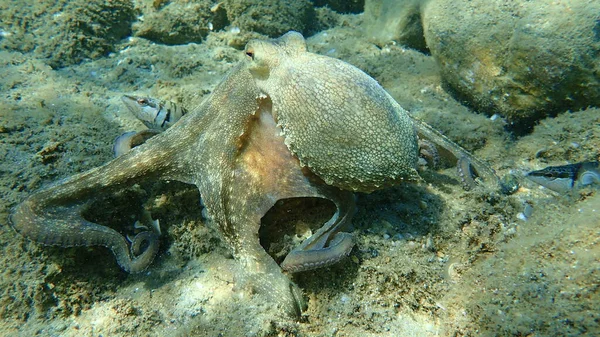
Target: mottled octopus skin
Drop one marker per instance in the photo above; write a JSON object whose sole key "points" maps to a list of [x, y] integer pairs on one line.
{"points": [[285, 123], [336, 119]]}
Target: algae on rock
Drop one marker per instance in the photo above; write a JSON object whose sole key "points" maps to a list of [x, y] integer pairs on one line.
{"points": [[398, 21], [180, 22], [272, 18], [522, 60], [65, 32]]}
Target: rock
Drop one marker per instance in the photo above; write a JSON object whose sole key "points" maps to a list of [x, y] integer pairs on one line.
{"points": [[180, 21], [342, 6], [270, 17], [65, 32], [398, 21], [325, 18], [522, 60]]}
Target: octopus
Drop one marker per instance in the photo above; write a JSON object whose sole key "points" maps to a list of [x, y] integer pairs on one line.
{"points": [[284, 123]]}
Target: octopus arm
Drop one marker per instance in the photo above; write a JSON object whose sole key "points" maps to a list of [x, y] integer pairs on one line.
{"points": [[53, 216]]}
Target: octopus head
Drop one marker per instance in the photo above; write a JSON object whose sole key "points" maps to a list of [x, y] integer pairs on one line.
{"points": [[265, 55]]}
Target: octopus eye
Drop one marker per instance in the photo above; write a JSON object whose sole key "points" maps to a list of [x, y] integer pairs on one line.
{"points": [[142, 101], [250, 53]]}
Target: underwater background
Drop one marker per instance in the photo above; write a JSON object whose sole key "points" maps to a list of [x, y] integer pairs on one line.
{"points": [[517, 83]]}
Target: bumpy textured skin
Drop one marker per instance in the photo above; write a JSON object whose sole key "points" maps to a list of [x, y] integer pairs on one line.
{"points": [[345, 129], [339, 121]]}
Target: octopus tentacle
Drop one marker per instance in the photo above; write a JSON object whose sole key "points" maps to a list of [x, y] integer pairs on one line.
{"points": [[64, 227], [465, 160], [53, 216], [328, 245], [466, 174], [131, 139], [428, 154]]}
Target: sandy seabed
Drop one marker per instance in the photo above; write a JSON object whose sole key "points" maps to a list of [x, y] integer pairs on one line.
{"points": [[430, 258]]}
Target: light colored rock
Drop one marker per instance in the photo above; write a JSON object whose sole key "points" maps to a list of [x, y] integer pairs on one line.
{"points": [[523, 60]]}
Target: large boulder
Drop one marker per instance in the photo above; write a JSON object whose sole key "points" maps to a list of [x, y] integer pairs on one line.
{"points": [[521, 59]]}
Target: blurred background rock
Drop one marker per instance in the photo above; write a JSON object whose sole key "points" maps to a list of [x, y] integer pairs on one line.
{"points": [[65, 32], [523, 60]]}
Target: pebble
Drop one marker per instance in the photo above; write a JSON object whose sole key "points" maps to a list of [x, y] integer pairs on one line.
{"points": [[528, 210]]}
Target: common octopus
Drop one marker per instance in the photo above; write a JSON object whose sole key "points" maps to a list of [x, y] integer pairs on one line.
{"points": [[284, 123]]}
